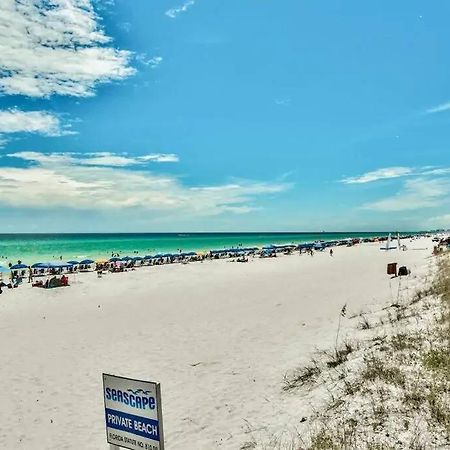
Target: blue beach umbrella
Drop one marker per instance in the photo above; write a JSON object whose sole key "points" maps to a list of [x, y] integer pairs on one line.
{"points": [[73, 262], [4, 269], [87, 261], [19, 266], [115, 259]]}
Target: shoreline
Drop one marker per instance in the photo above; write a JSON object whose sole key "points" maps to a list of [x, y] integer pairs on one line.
{"points": [[30, 258]]}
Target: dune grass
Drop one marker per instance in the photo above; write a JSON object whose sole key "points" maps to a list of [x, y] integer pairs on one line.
{"points": [[391, 390]]}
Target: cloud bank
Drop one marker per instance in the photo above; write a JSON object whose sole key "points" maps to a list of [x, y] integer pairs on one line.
{"points": [[424, 187], [56, 47], [102, 181]]}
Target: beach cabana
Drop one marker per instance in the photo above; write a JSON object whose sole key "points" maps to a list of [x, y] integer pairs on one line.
{"points": [[19, 269]]}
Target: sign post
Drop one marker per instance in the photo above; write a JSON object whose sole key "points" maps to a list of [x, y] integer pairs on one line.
{"points": [[133, 413]]}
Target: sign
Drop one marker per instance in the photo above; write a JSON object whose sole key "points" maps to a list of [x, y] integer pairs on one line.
{"points": [[133, 413]]}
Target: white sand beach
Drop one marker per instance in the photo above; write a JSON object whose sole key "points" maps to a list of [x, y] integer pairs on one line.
{"points": [[219, 337]]}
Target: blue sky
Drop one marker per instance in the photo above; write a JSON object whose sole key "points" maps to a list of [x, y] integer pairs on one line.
{"points": [[224, 116]]}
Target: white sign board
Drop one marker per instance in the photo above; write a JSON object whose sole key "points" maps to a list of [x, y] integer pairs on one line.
{"points": [[133, 413]]}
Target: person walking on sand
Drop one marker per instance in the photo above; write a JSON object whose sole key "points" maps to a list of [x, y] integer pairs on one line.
{"points": [[30, 275], [331, 252]]}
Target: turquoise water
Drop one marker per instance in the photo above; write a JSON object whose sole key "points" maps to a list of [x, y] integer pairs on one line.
{"points": [[31, 248]]}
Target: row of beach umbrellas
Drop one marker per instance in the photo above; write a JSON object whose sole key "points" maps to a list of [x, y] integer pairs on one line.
{"points": [[51, 265], [68, 264]]}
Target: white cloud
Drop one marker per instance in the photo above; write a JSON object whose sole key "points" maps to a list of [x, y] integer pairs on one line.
{"points": [[56, 47], [438, 108], [283, 101], [437, 171], [438, 222], [94, 159], [415, 194], [153, 62], [41, 122], [173, 12], [379, 174], [64, 181]]}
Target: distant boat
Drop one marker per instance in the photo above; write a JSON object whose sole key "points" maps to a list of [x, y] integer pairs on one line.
{"points": [[388, 245]]}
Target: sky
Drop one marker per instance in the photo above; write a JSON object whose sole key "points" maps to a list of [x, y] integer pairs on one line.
{"points": [[237, 115]]}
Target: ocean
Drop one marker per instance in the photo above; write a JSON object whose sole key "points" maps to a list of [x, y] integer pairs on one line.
{"points": [[31, 248]]}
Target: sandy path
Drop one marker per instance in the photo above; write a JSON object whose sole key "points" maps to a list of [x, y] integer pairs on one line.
{"points": [[219, 336]]}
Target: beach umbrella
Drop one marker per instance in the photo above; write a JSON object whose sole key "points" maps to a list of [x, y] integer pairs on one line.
{"points": [[19, 266], [115, 259], [137, 258], [148, 257], [4, 269], [126, 258], [187, 254], [74, 263], [87, 261], [51, 265]]}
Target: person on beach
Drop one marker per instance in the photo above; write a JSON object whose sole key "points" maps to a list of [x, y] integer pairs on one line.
{"points": [[331, 252], [30, 275]]}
